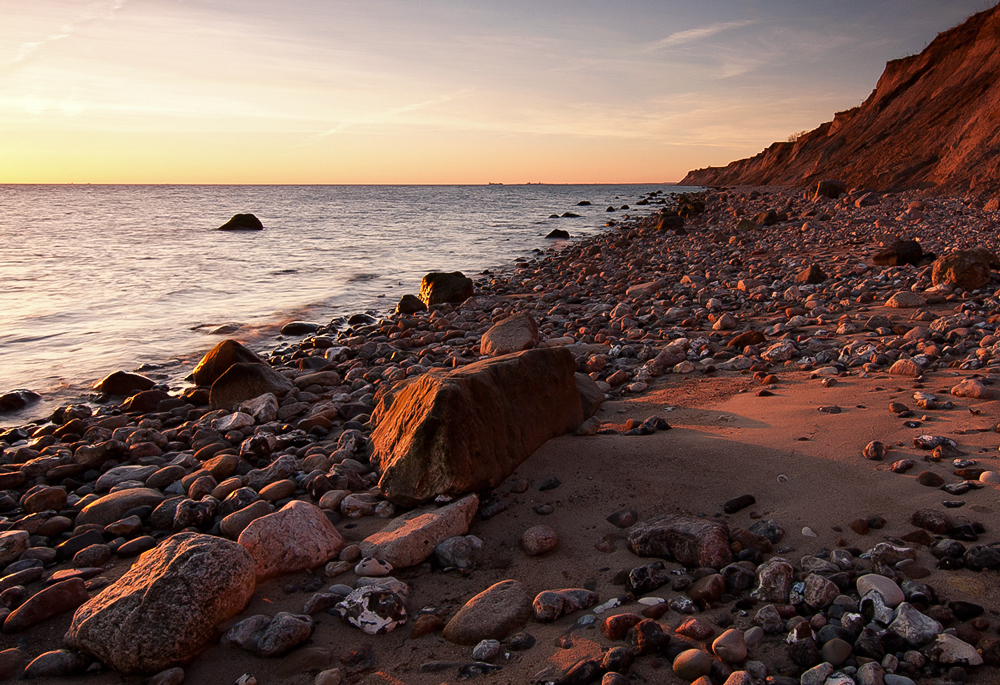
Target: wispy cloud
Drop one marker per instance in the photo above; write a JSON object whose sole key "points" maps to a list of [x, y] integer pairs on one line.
{"points": [[95, 12], [387, 115], [696, 34]]}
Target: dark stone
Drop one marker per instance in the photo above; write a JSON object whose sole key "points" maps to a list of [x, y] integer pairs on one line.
{"points": [[69, 548], [982, 557], [519, 642], [900, 253], [442, 288], [804, 653], [299, 328], [558, 234], [124, 384], [145, 401], [644, 579], [735, 504], [581, 673], [869, 644], [647, 637], [831, 631], [623, 518], [618, 659], [948, 548], [690, 540], [965, 532], [550, 483], [410, 304], [242, 381], [965, 611], [768, 529], [242, 222]]}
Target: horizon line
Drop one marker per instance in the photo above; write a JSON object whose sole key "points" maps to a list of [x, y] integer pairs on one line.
{"points": [[317, 185]]}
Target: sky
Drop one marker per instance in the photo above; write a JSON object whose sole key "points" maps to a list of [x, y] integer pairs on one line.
{"points": [[431, 91]]}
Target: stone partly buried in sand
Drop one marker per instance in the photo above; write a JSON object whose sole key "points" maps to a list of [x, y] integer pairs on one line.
{"points": [[461, 431], [165, 608], [411, 538], [690, 540], [54, 600], [493, 614]]}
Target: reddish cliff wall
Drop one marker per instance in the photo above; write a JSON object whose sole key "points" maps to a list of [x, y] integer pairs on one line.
{"points": [[933, 122]]}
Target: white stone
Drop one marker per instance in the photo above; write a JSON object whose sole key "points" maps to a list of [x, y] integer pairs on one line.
{"points": [[891, 594], [991, 477], [948, 649], [779, 352]]}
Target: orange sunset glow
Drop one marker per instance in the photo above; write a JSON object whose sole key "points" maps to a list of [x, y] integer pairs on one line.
{"points": [[131, 91]]}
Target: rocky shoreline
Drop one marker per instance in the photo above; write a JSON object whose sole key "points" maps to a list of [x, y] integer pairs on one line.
{"points": [[268, 471]]}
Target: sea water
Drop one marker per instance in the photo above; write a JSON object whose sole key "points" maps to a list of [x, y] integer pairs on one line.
{"points": [[99, 278]]}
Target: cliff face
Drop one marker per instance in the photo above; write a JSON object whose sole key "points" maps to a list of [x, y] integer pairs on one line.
{"points": [[932, 122]]}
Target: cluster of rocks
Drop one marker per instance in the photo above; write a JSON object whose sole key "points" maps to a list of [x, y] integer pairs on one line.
{"points": [[246, 475]]}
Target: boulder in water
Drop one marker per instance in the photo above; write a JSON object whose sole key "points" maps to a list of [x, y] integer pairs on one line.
{"points": [[18, 399], [242, 222], [558, 234], [124, 384]]}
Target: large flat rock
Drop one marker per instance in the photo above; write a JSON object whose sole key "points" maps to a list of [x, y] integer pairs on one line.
{"points": [[468, 429]]}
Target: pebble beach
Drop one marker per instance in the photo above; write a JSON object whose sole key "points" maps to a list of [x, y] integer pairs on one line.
{"points": [[787, 473]]}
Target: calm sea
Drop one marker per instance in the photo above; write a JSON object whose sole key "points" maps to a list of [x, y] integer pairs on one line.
{"points": [[99, 278]]}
